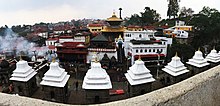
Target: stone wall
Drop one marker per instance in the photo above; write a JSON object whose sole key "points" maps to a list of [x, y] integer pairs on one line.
{"points": [[200, 90]]}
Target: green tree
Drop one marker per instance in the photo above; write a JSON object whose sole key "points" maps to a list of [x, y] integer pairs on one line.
{"points": [[148, 17], [173, 8], [207, 27], [184, 12]]}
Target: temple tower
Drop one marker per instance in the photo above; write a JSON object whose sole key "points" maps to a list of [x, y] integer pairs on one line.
{"points": [[197, 64], [97, 84], [54, 83], [23, 78], [139, 79], [213, 58], [175, 71]]}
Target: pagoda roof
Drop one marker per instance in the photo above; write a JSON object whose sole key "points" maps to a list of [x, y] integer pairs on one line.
{"points": [[198, 60], [139, 74], [23, 72], [114, 18], [96, 78], [55, 76], [100, 37], [175, 67]]}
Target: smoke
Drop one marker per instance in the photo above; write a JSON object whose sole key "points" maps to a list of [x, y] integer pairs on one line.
{"points": [[12, 42]]}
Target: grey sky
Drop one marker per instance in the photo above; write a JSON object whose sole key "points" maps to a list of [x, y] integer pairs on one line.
{"points": [[14, 12]]}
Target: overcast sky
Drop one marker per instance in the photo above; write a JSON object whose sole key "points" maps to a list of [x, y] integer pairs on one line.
{"points": [[15, 12]]}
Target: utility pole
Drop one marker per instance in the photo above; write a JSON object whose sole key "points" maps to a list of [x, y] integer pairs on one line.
{"points": [[120, 12]]}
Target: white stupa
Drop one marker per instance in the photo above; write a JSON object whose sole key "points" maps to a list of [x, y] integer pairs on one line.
{"points": [[96, 78], [198, 60], [23, 72], [175, 67], [55, 76], [138, 74], [213, 56]]}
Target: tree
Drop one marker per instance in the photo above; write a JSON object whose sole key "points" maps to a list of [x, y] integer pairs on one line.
{"points": [[173, 8], [148, 17], [135, 19], [207, 27], [186, 12]]}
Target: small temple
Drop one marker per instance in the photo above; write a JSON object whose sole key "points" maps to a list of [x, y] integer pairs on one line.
{"points": [[97, 84], [175, 71], [197, 64], [139, 78], [24, 79], [213, 58], [55, 83]]}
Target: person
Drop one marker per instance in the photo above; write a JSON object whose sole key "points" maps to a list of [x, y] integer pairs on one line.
{"points": [[77, 84]]}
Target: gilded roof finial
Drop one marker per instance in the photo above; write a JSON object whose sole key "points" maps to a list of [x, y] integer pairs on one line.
{"points": [[53, 59], [119, 36], [199, 49], [113, 15], [96, 59], [176, 55]]}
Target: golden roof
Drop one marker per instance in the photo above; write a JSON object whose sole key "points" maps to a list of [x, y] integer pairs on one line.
{"points": [[110, 29], [114, 18]]}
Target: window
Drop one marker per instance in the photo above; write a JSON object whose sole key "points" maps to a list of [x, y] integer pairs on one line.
{"points": [[140, 36], [149, 50], [161, 50], [145, 50], [153, 50], [141, 50], [136, 51]]}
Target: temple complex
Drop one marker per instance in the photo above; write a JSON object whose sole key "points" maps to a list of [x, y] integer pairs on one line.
{"points": [[96, 84], [54, 83], [175, 71], [139, 79], [23, 79], [197, 64]]}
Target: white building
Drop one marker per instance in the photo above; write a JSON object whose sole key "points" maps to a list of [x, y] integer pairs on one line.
{"points": [[180, 34], [144, 43]]}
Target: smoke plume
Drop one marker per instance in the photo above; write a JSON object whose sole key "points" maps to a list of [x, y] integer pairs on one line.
{"points": [[12, 42]]}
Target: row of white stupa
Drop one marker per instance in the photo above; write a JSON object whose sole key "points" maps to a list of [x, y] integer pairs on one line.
{"points": [[55, 76], [97, 77], [176, 67]]}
